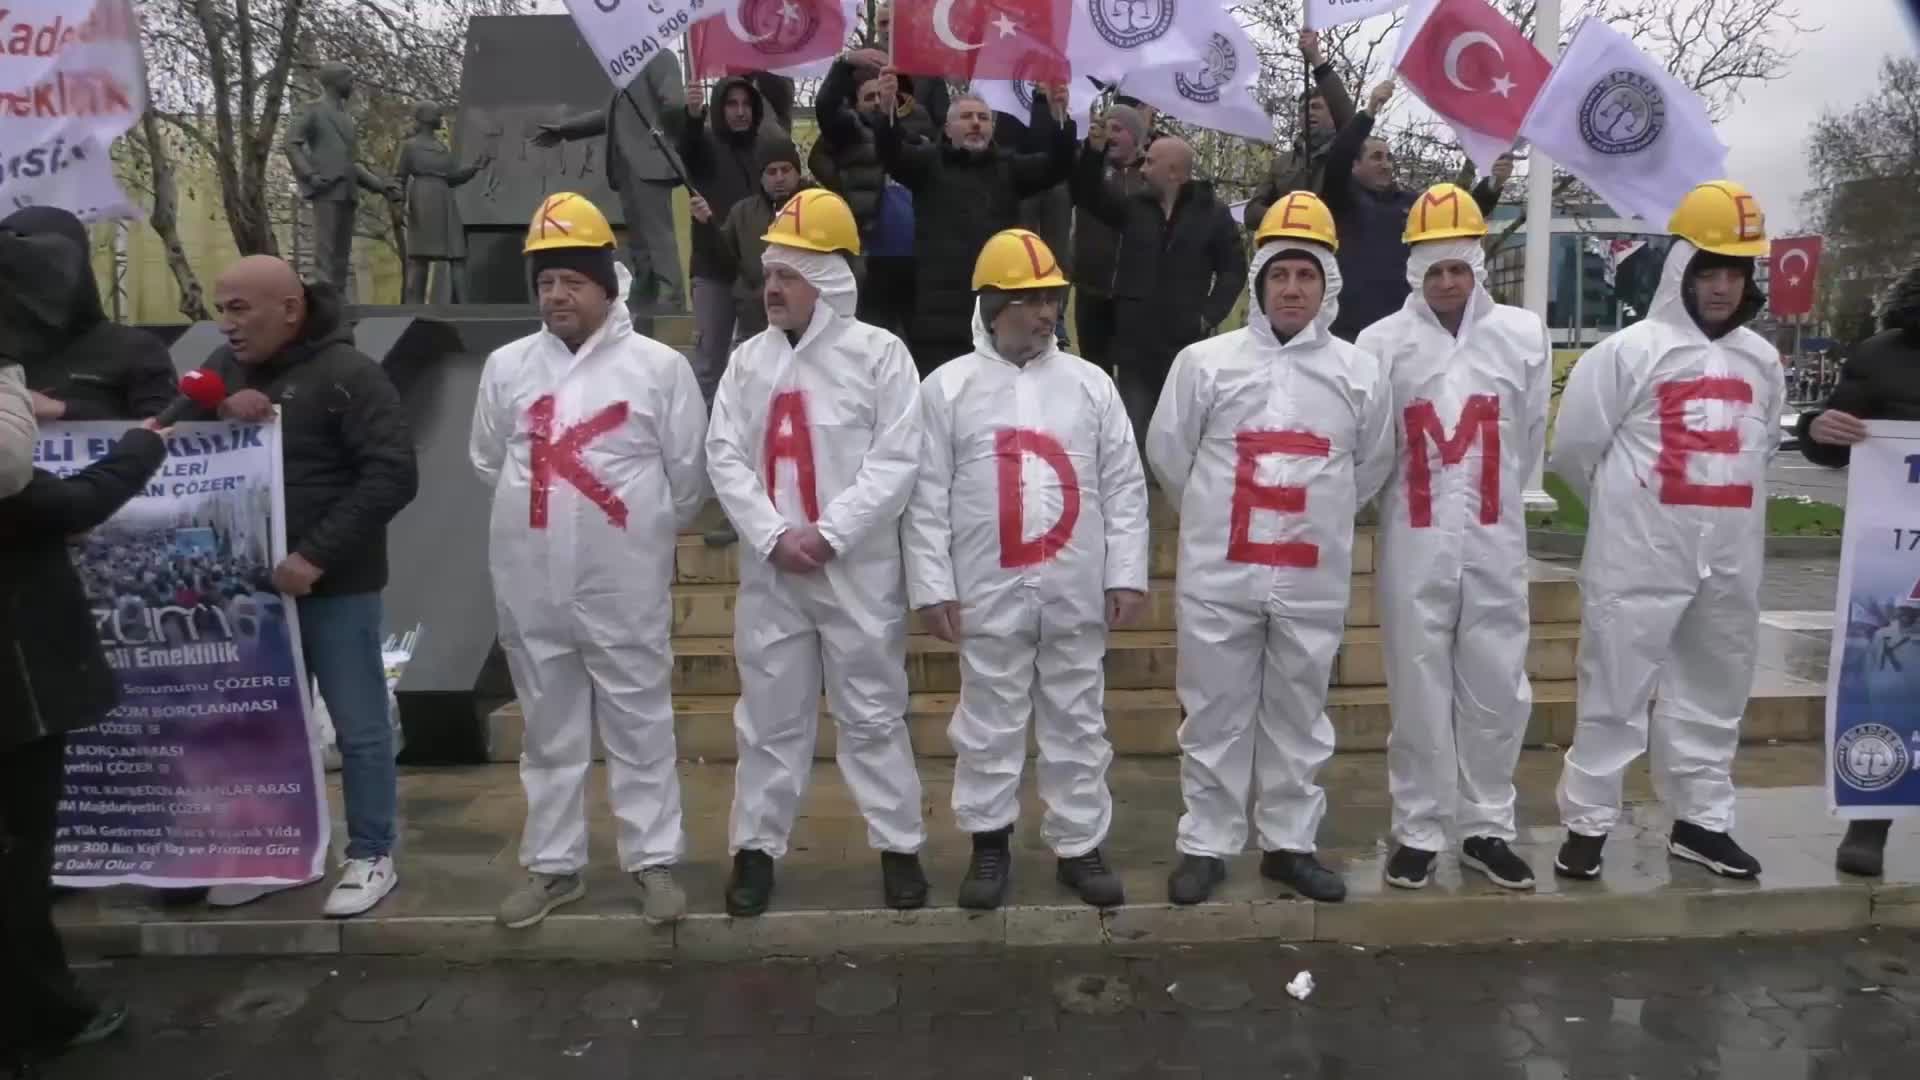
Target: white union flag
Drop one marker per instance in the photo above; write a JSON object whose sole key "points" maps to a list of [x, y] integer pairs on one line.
{"points": [[1322, 14], [1213, 89]]}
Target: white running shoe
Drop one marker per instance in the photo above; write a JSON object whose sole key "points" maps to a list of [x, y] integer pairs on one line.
{"points": [[363, 883]]}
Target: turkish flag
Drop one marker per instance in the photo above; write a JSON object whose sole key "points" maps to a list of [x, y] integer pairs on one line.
{"points": [[788, 37], [1474, 68], [1795, 266], [985, 39]]}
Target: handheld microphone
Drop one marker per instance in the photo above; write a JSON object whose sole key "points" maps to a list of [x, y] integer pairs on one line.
{"points": [[199, 389]]}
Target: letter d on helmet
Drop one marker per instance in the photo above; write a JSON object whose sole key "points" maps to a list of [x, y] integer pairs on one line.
{"points": [[1016, 259]]}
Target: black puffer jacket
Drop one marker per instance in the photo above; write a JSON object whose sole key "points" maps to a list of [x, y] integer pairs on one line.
{"points": [[721, 164], [1096, 245], [960, 198], [845, 159], [349, 457], [98, 368], [53, 675], [1881, 381]]}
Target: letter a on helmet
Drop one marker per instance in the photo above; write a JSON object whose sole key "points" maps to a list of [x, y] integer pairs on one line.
{"points": [[815, 220]]}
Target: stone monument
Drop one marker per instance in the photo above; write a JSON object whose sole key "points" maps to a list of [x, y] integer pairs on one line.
{"points": [[435, 234], [321, 145]]}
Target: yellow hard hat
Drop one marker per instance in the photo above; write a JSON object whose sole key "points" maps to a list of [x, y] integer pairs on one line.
{"points": [[815, 220], [1017, 259], [1722, 217], [1443, 212], [1299, 215], [567, 220]]}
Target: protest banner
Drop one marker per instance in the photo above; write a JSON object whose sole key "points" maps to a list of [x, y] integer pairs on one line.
{"points": [[205, 772], [71, 82], [1873, 674]]}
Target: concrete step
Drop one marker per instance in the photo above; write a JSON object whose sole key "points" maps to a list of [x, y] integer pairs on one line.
{"points": [[706, 610], [1136, 660], [1143, 723], [694, 563], [463, 825]]}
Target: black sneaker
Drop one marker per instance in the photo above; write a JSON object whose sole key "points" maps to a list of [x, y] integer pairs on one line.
{"points": [[1491, 856], [902, 881], [1303, 874], [1714, 850], [1193, 880], [1863, 850], [1089, 876], [1410, 868], [988, 872], [1579, 856], [750, 886]]}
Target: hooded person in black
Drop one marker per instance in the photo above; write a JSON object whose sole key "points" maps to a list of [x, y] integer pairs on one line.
{"points": [[91, 368], [1881, 381], [722, 159]]}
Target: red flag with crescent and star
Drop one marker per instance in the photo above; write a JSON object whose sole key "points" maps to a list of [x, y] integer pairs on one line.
{"points": [[985, 39], [1794, 266], [1474, 68], [787, 37]]}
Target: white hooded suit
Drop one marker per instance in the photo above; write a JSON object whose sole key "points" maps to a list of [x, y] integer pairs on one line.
{"points": [[1667, 435], [1030, 505], [1470, 418], [827, 432], [596, 461], [1271, 449]]}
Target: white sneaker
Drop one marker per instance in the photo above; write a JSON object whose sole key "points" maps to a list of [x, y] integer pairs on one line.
{"points": [[363, 883]]}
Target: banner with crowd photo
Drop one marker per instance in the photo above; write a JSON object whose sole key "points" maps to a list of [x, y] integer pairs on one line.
{"points": [[205, 772], [1873, 675]]}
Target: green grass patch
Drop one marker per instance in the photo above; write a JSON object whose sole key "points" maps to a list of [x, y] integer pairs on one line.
{"points": [[1786, 516]]}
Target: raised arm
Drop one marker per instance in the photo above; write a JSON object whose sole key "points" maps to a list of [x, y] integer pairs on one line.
{"points": [[1336, 185], [74, 504], [1035, 173], [911, 164], [1091, 191]]}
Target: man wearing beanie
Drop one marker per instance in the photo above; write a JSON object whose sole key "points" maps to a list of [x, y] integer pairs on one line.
{"points": [[1026, 540], [590, 436], [813, 449], [1665, 431], [741, 227], [1096, 245]]}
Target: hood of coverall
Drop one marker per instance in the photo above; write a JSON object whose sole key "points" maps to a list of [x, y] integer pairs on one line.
{"points": [[1329, 304], [824, 270], [983, 334], [1427, 254], [619, 320], [1673, 305]]}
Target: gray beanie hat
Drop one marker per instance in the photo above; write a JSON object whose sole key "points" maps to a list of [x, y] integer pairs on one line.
{"points": [[1130, 118]]}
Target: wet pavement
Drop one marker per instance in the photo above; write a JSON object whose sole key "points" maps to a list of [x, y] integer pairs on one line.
{"points": [[1788, 1008], [1792, 474]]}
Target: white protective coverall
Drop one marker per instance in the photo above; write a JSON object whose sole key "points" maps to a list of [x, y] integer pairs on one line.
{"points": [[1470, 418], [596, 462], [1667, 434], [1030, 505], [1271, 450], [827, 432]]}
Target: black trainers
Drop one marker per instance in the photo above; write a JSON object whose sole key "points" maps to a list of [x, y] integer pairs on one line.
{"points": [[1863, 850], [1089, 876], [750, 886], [1714, 850], [902, 881], [1491, 856], [1193, 880], [988, 871], [1303, 874], [1410, 868], [1579, 857]]}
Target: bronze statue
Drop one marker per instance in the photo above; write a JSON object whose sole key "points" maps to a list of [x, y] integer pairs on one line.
{"points": [[429, 171], [321, 145]]}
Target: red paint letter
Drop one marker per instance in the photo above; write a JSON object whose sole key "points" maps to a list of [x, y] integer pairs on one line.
{"points": [[789, 436], [1479, 418], [1678, 442], [1249, 495], [561, 457], [1010, 446]]}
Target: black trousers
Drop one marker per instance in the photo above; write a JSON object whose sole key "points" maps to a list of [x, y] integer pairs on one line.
{"points": [[41, 1007], [1095, 319], [886, 294]]}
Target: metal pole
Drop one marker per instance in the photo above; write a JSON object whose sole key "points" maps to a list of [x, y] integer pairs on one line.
{"points": [[1546, 35]]}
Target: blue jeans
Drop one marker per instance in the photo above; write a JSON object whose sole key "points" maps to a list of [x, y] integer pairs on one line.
{"points": [[340, 638]]}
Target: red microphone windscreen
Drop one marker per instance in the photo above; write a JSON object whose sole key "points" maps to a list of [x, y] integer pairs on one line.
{"points": [[203, 388]]}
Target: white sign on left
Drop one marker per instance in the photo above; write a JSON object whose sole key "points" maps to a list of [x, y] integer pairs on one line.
{"points": [[71, 81], [625, 34]]}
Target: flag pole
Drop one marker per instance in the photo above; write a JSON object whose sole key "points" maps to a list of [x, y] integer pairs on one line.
{"points": [[1539, 251]]}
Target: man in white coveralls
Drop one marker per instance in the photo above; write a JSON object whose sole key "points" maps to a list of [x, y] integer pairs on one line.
{"points": [[590, 435], [813, 449], [1025, 541], [1665, 429], [1271, 437], [1471, 380]]}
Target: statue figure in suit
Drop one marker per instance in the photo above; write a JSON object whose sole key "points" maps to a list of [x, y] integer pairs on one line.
{"points": [[321, 144]]}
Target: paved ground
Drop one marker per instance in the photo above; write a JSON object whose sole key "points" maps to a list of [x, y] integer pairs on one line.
{"points": [[1744, 1009], [1793, 474], [1800, 584]]}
